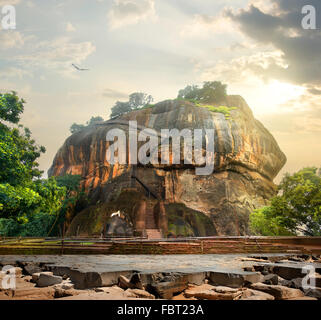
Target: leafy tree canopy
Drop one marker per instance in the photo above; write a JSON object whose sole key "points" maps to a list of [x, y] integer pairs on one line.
{"points": [[22, 193], [210, 92], [78, 127], [295, 210], [11, 107], [136, 101]]}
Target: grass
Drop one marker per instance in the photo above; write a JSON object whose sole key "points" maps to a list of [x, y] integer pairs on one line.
{"points": [[221, 109]]}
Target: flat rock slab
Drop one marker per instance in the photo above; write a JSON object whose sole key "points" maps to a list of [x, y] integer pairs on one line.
{"points": [[234, 280], [91, 295], [278, 292], [250, 294], [83, 279], [287, 271]]}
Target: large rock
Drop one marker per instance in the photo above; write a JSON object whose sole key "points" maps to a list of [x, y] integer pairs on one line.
{"points": [[47, 280], [277, 291], [208, 292], [234, 279], [250, 294], [247, 159]]}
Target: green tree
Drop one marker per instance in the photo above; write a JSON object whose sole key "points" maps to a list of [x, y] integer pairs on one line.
{"points": [[263, 222], [210, 92], [297, 207], [11, 107], [137, 100], [23, 195], [75, 127], [213, 92]]}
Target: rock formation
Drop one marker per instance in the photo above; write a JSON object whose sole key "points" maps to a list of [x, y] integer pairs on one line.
{"points": [[172, 198]]}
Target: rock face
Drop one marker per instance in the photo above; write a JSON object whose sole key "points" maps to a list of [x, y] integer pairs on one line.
{"points": [[173, 198]]}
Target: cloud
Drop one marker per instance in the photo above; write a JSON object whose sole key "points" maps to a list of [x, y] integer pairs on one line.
{"points": [[281, 27], [9, 2], [11, 39], [261, 65], [128, 12], [114, 94], [13, 72], [203, 25], [57, 55]]}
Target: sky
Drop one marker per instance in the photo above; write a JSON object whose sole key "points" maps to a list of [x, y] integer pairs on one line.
{"points": [[257, 47]]}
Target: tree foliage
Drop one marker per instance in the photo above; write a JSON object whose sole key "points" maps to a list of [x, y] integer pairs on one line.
{"points": [[296, 209], [210, 92], [75, 127], [24, 196], [137, 100]]}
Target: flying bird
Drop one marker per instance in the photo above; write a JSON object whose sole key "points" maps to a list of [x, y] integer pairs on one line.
{"points": [[79, 69]]}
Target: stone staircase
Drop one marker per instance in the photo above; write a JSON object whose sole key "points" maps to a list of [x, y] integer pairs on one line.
{"points": [[151, 229]]}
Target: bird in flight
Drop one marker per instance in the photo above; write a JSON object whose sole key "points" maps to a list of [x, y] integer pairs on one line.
{"points": [[79, 69]]}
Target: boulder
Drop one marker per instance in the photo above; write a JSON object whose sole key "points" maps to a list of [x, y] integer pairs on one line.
{"points": [[166, 290], [277, 291], [136, 281], [212, 293], [31, 268], [247, 159], [271, 279], [35, 276], [234, 279], [250, 294], [315, 293], [125, 283], [47, 280]]}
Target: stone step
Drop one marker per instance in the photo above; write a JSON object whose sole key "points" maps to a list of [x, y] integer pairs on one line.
{"points": [[150, 221], [153, 234]]}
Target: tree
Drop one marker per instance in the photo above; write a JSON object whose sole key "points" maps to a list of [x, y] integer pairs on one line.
{"points": [[94, 120], [297, 207], [11, 107], [189, 93], [120, 108], [137, 100], [23, 194], [75, 127], [263, 222], [211, 92]]}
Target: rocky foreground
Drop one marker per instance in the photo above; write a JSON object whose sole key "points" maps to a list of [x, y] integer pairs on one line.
{"points": [[263, 278]]}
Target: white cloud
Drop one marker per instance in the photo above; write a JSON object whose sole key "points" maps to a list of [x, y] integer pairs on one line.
{"points": [[58, 55], [204, 25], [11, 39], [127, 12]]}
